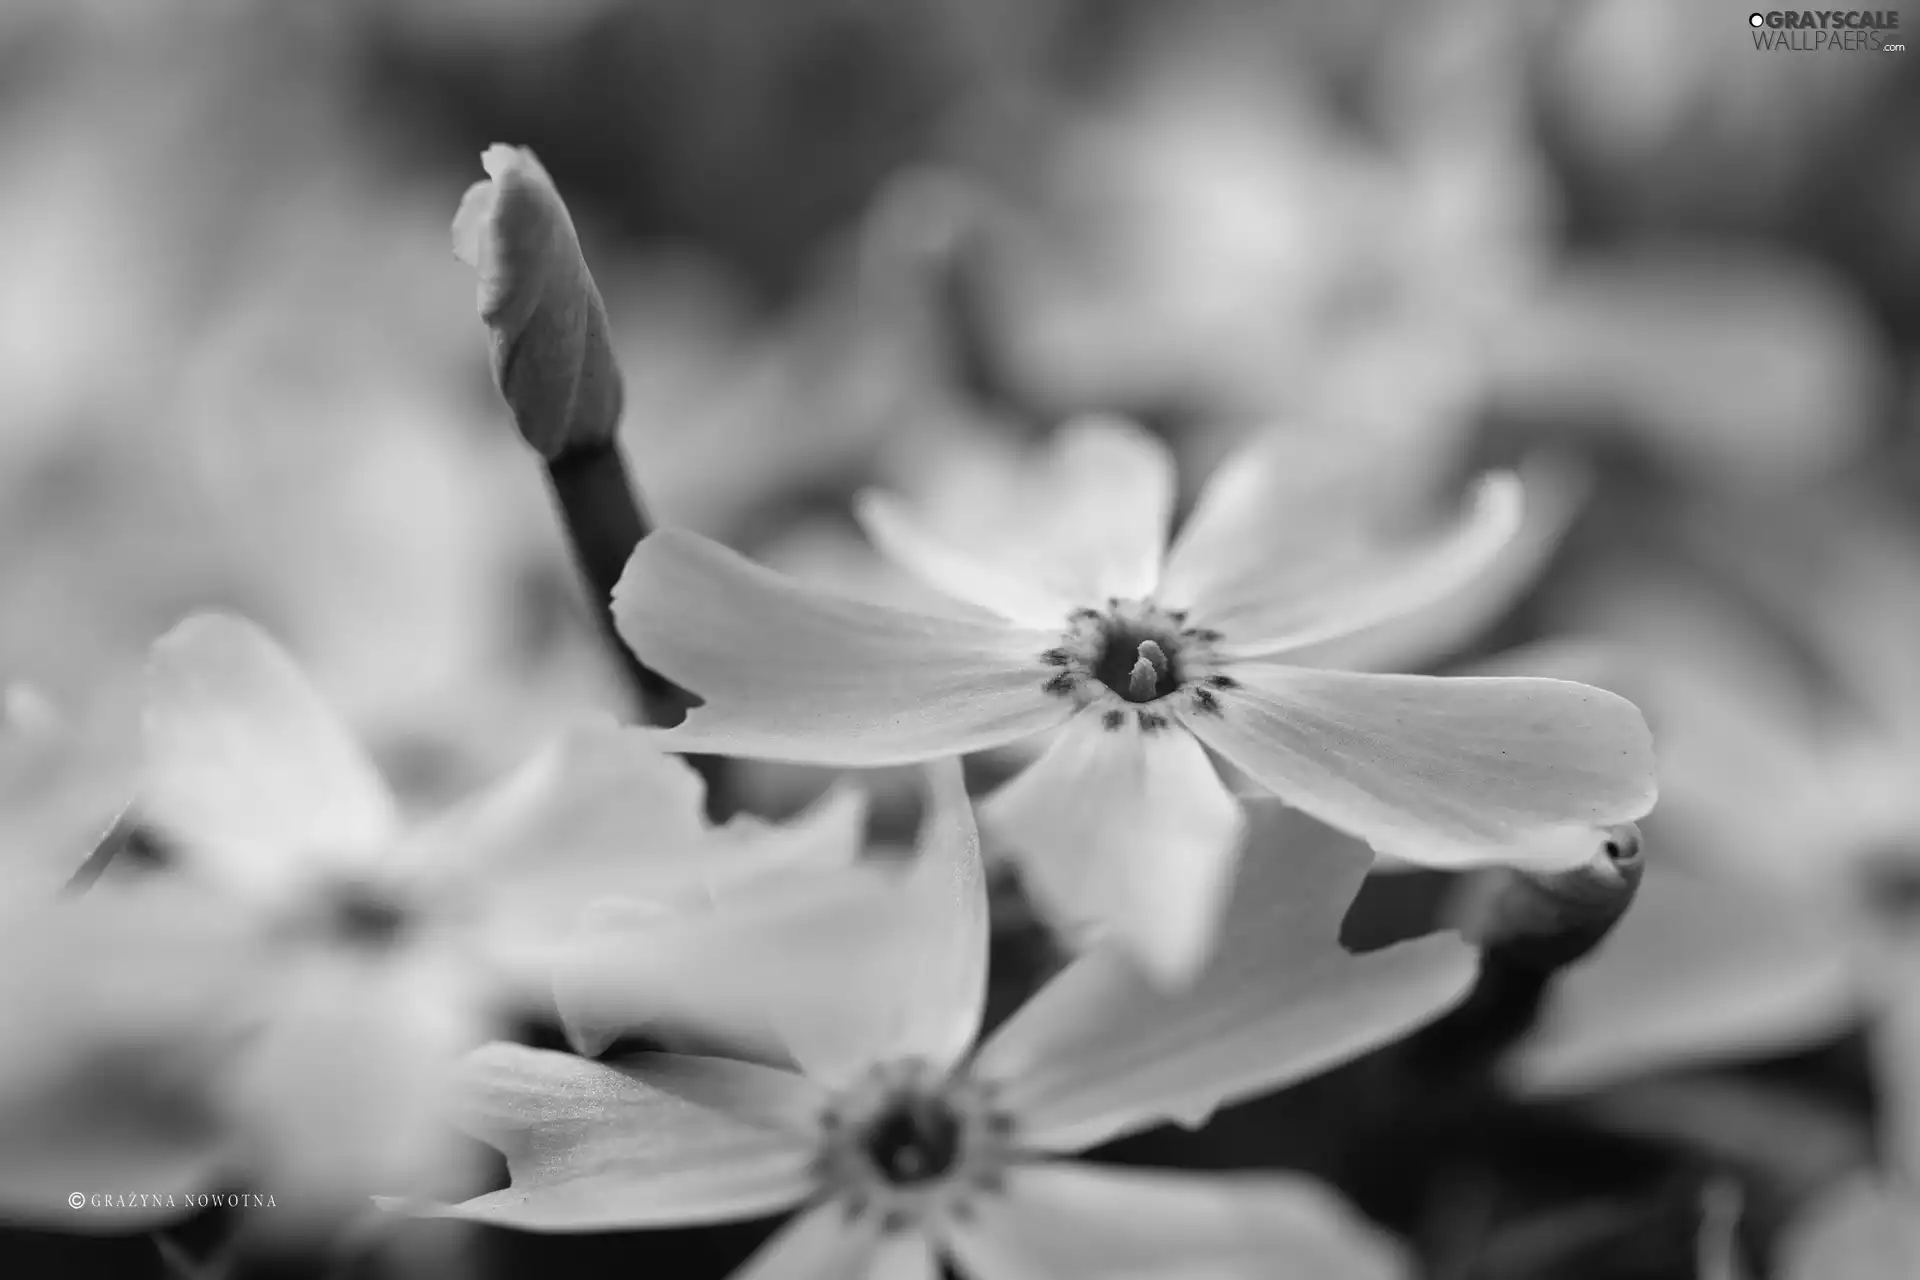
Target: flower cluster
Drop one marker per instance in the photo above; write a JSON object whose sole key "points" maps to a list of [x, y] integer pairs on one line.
{"points": [[315, 990]]}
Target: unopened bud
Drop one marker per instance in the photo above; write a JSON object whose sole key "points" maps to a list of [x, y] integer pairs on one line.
{"points": [[1544, 921], [551, 355]]}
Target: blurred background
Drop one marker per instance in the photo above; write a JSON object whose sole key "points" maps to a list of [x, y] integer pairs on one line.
{"points": [[1671, 276]]}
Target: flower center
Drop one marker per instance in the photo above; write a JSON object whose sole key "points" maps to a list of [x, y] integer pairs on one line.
{"points": [[1140, 653], [1134, 663], [906, 1142], [359, 916], [916, 1139]]}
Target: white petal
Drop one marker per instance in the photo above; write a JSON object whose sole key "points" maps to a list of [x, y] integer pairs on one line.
{"points": [[1102, 1051], [1089, 523], [1128, 830], [1107, 509], [942, 981], [1445, 772], [590, 1147], [760, 1095], [345, 1095], [1391, 583], [605, 813], [822, 1243], [792, 673], [1287, 514], [904, 1256], [845, 969], [899, 536], [1414, 639], [1072, 1219], [245, 766], [1696, 971], [1859, 1231], [121, 1013]]}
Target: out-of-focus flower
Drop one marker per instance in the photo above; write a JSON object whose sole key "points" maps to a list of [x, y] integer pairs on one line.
{"points": [[551, 355], [378, 952], [1788, 729], [903, 1142], [1079, 617], [1733, 366], [121, 1013]]}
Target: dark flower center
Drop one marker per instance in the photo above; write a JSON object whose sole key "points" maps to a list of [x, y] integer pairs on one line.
{"points": [[359, 916], [1138, 664], [916, 1139], [1892, 887]]}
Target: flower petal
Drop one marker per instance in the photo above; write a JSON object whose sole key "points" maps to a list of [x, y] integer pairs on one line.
{"points": [[1289, 513], [590, 1147], [792, 673], [246, 768], [899, 536], [1391, 583], [120, 1013], [1129, 830], [1071, 1219], [604, 813], [1556, 489], [767, 1096], [1102, 1051], [842, 969], [1092, 526], [821, 1243], [1445, 772], [344, 1095], [1696, 971], [1859, 1231], [1106, 524]]}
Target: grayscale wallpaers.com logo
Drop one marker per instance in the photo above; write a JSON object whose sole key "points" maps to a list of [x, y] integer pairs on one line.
{"points": [[1810, 30]]}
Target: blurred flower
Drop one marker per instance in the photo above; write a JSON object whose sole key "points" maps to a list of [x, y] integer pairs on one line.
{"points": [[548, 327], [902, 1141], [376, 953], [1078, 616], [1732, 365], [1783, 687]]}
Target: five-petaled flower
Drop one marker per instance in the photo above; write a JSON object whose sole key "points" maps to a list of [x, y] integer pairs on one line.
{"points": [[900, 1141], [370, 953], [1082, 620]]}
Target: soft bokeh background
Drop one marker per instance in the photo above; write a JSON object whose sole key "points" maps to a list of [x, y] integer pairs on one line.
{"points": [[1675, 278]]}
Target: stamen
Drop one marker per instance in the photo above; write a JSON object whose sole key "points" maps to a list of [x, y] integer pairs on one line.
{"points": [[1149, 669], [1143, 680]]}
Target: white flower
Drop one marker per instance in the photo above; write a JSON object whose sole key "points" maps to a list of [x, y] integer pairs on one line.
{"points": [[375, 952], [899, 1139], [1080, 619]]}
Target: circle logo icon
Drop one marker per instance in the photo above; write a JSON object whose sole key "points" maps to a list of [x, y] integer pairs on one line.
{"points": [[1756, 19], [77, 1200]]}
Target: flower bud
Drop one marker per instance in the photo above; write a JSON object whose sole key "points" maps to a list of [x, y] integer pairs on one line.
{"points": [[551, 356], [1542, 921]]}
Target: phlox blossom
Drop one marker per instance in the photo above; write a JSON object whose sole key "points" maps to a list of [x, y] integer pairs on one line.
{"points": [[901, 1136], [362, 954], [1080, 620]]}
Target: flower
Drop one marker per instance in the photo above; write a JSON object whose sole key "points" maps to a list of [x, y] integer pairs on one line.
{"points": [[377, 952], [1076, 619], [1788, 734], [552, 357], [900, 1139]]}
